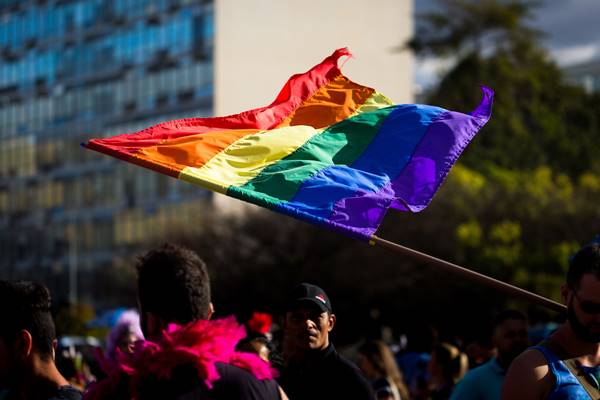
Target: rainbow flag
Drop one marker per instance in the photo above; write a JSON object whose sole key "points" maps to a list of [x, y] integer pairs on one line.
{"points": [[327, 151]]}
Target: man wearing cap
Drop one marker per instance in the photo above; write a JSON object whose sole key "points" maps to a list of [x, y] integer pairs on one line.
{"points": [[312, 367]]}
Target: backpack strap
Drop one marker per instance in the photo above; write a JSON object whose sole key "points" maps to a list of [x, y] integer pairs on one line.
{"points": [[578, 373], [572, 366]]}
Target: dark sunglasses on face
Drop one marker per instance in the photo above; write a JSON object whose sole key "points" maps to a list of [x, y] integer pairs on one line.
{"points": [[588, 307]]}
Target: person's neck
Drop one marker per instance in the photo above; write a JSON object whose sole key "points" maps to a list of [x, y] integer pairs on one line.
{"points": [[587, 353], [439, 381], [303, 356], [43, 379], [503, 362]]}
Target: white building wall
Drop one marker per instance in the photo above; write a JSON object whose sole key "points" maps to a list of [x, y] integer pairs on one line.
{"points": [[259, 44]]}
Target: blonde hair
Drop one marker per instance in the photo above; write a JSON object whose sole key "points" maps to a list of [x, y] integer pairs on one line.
{"points": [[382, 359], [453, 362]]}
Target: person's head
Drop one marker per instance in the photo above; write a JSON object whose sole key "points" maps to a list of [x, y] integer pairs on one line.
{"points": [[581, 292], [421, 337], [27, 332], [308, 319], [173, 287], [124, 334], [448, 363], [255, 344], [510, 335], [479, 350], [376, 361]]}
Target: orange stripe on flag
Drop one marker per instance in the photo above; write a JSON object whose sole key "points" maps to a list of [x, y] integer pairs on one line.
{"points": [[193, 150], [332, 103]]}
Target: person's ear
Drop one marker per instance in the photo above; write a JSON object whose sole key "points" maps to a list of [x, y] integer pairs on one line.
{"points": [[495, 337], [565, 292], [331, 322], [23, 344], [154, 325], [54, 347], [211, 310]]}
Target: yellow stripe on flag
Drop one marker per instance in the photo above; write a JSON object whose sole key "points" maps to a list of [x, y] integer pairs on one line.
{"points": [[247, 157], [244, 159]]}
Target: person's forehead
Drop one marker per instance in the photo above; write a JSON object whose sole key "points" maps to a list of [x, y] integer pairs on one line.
{"points": [[306, 308], [589, 288]]}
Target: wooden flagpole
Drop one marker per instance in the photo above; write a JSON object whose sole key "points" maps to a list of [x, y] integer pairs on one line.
{"points": [[467, 273]]}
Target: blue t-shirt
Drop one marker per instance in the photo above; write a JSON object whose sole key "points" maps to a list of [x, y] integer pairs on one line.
{"points": [[482, 383], [414, 368]]}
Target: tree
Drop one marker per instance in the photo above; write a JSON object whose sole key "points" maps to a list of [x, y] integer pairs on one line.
{"points": [[468, 26], [538, 118]]}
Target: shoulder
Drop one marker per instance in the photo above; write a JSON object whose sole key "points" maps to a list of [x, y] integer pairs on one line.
{"points": [[232, 373], [342, 364], [475, 376], [240, 382], [348, 374], [528, 377], [477, 382], [531, 362], [67, 393]]}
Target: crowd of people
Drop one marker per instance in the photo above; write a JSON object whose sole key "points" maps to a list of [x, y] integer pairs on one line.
{"points": [[171, 348]]}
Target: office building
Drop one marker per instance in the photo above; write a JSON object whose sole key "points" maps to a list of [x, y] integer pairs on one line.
{"points": [[71, 70], [586, 75]]}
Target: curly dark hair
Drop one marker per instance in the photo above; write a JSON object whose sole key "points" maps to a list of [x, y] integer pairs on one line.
{"points": [[585, 261], [173, 283], [25, 305]]}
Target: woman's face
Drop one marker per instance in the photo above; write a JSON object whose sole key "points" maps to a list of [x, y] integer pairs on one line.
{"points": [[125, 343], [433, 367], [261, 349]]}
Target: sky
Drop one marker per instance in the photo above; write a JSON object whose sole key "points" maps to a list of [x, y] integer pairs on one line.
{"points": [[572, 30]]}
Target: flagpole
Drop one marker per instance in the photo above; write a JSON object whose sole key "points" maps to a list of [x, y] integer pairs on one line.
{"points": [[467, 273]]}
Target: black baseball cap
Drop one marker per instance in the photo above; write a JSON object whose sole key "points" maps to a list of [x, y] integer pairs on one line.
{"points": [[307, 293]]}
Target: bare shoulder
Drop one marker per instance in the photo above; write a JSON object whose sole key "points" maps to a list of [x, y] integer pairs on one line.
{"points": [[530, 360], [528, 377]]}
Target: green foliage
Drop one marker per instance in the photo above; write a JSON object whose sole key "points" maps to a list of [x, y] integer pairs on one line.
{"points": [[524, 225], [472, 25], [538, 119], [526, 194], [469, 234], [71, 319]]}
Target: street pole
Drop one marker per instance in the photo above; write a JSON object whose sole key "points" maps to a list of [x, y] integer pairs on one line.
{"points": [[471, 275], [72, 265]]}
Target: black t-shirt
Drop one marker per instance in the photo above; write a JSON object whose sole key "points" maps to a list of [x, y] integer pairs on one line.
{"points": [[61, 393], [237, 383], [184, 384], [325, 375], [66, 393]]}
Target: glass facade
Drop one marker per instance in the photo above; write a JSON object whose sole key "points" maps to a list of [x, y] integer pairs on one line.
{"points": [[585, 75], [74, 70]]}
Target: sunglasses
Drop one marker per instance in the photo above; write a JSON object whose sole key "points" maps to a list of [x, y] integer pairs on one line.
{"points": [[588, 307]]}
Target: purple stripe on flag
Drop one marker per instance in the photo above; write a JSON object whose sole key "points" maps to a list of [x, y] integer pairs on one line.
{"points": [[414, 187], [436, 154]]}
